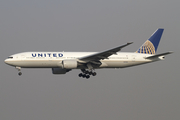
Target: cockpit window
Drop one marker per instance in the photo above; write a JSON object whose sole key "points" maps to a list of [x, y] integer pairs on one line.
{"points": [[10, 57]]}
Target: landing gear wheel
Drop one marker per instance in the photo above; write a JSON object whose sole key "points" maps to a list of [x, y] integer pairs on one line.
{"points": [[87, 76], [90, 73], [94, 74], [20, 73], [87, 73], [83, 75], [80, 75]]}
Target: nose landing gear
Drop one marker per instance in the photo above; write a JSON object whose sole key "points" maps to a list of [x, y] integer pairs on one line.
{"points": [[19, 69]]}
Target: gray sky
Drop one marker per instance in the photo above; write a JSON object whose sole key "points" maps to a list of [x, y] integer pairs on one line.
{"points": [[147, 92]]}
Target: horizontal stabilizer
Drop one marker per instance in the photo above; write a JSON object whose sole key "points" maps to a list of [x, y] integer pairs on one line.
{"points": [[158, 55]]}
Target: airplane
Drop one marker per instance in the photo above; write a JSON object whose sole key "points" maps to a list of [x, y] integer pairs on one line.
{"points": [[87, 62]]}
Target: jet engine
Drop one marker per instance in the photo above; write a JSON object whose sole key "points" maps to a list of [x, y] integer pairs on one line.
{"points": [[69, 64], [59, 71]]}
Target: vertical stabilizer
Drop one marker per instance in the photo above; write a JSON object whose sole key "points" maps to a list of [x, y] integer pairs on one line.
{"points": [[151, 45]]}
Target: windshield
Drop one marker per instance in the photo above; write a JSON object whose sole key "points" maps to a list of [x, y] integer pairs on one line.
{"points": [[10, 57]]}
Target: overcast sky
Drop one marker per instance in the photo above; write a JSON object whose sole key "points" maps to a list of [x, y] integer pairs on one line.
{"points": [[146, 92]]}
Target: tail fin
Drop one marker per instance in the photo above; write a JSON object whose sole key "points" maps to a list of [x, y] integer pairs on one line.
{"points": [[151, 45]]}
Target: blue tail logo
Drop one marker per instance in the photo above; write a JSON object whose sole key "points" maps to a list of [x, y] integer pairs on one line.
{"points": [[151, 45]]}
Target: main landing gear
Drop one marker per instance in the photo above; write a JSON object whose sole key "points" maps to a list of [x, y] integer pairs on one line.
{"points": [[86, 73], [19, 69]]}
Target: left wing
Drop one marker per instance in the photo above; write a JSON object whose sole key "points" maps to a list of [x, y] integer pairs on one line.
{"points": [[102, 55]]}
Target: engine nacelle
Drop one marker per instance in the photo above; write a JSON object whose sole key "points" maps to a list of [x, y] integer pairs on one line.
{"points": [[59, 71], [69, 64]]}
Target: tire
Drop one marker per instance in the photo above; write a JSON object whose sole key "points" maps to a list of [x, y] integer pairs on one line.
{"points": [[20, 73], [94, 73], [87, 76], [80, 75]]}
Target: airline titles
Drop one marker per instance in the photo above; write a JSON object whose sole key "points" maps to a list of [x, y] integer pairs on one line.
{"points": [[47, 55]]}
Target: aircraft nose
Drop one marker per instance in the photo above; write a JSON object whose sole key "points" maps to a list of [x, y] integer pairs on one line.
{"points": [[6, 61]]}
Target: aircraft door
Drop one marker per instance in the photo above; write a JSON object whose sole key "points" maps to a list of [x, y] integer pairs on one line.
{"points": [[133, 58], [23, 57]]}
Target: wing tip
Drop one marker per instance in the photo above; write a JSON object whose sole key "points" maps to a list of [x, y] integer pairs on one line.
{"points": [[170, 52], [129, 43]]}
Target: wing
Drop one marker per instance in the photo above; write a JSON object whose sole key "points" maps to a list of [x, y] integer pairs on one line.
{"points": [[103, 55], [158, 55]]}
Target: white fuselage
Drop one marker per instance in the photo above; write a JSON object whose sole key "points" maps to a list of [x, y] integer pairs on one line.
{"points": [[54, 59]]}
